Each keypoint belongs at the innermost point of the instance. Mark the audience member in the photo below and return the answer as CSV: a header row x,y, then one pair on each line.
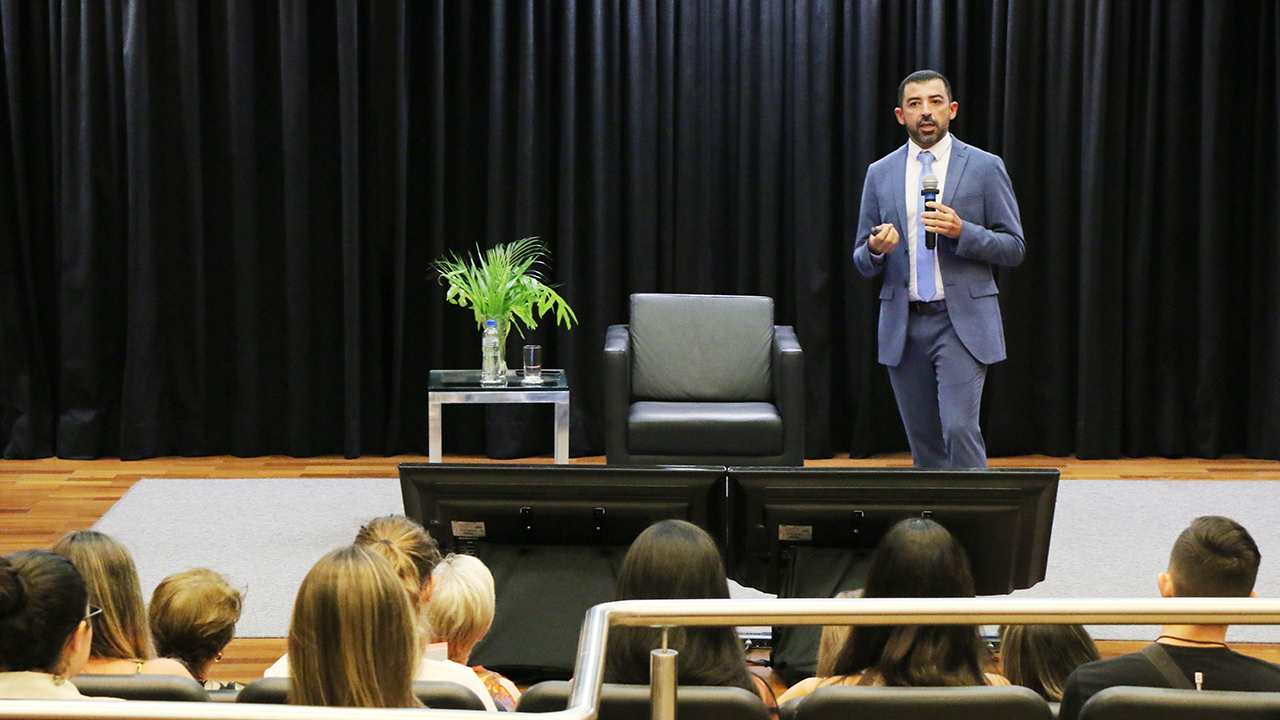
x,y
461,612
45,630
193,616
121,639
916,558
353,637
832,639
1041,657
674,559
413,554
1213,557
411,551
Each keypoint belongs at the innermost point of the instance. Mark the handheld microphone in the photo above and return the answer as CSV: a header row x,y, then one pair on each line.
x,y
929,189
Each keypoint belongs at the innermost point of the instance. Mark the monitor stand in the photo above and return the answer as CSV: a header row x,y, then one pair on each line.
x,y
543,594
813,573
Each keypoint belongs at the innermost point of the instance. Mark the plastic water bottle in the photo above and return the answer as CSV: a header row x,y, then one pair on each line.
x,y
490,357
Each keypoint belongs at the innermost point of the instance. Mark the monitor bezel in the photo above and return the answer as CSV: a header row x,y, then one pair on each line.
x,y
751,544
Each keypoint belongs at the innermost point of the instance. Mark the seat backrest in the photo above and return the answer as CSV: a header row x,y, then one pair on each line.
x,y
438,694
920,703
1141,703
632,702
711,348
265,691
141,687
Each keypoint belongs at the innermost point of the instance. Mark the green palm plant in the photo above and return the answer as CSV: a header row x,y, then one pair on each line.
x,y
504,283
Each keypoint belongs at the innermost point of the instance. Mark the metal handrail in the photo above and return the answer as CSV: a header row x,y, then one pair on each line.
x,y
584,699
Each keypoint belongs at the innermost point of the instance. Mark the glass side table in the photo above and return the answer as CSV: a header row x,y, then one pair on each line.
x,y
463,386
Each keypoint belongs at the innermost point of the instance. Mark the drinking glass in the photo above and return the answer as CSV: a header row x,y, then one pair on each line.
x,y
532,356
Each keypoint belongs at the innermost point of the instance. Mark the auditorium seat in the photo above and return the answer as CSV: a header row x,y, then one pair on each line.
x,y
1141,703
921,703
437,694
632,702
141,687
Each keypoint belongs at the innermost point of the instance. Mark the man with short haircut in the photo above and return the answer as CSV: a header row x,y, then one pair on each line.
x,y
1214,557
940,325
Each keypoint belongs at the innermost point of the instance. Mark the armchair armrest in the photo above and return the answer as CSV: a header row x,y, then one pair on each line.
x,y
617,391
788,391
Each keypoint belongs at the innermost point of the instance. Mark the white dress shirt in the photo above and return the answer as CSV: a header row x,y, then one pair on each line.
x,y
28,685
941,155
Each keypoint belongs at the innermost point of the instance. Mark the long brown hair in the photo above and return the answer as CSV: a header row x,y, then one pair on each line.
x,y
352,638
1041,657
917,558
121,630
674,560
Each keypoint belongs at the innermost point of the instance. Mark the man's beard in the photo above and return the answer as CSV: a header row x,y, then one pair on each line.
x,y
938,132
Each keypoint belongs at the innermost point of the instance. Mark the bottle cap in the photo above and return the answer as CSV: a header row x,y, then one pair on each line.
x,y
491,323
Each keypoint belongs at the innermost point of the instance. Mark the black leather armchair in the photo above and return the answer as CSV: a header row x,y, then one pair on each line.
x,y
632,702
921,703
703,380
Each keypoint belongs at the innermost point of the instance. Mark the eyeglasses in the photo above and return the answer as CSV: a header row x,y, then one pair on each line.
x,y
93,610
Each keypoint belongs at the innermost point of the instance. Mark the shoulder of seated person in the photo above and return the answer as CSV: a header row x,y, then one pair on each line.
x,y
994,679
164,666
124,666
808,685
109,666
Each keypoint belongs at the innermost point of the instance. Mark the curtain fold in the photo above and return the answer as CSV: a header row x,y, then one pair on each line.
x,y
217,220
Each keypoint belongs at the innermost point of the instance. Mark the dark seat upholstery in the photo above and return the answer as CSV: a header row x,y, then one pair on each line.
x,y
141,687
920,703
1141,703
437,694
703,380
631,702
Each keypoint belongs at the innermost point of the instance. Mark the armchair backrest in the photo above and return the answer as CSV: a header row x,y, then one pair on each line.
x,y
923,703
1142,703
712,348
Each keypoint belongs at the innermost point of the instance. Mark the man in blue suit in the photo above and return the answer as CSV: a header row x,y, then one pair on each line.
x,y
940,323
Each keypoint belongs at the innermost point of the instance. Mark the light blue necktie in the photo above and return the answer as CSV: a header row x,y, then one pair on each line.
x,y
924,256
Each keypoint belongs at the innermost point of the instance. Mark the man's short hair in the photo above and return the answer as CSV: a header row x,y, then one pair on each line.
x,y
1214,557
922,76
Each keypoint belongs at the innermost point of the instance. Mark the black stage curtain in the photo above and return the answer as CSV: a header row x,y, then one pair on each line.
x,y
217,218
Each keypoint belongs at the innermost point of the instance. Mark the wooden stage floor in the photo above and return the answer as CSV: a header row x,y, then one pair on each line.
x,y
42,499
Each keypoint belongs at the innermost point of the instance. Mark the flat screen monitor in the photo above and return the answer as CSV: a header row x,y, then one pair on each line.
x,y
461,504
1002,517
554,537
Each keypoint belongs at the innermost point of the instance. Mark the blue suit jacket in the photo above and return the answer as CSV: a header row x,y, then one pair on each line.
x,y
979,190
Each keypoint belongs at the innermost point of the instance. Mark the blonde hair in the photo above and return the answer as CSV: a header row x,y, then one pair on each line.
x,y
352,638
412,552
112,578
193,617
462,604
833,637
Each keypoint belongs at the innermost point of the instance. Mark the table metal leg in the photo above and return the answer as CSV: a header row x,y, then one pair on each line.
x,y
433,431
562,433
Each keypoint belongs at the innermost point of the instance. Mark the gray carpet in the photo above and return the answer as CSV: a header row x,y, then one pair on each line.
x,y
1110,537
263,534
